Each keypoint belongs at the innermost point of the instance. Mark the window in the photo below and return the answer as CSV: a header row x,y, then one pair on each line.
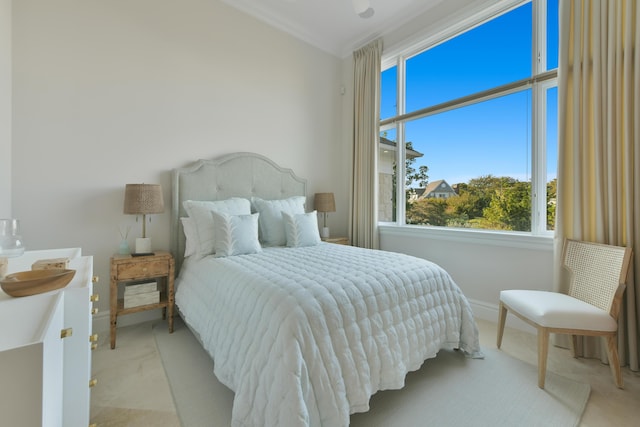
x,y
472,119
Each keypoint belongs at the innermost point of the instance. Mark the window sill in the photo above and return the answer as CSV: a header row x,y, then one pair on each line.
x,y
482,237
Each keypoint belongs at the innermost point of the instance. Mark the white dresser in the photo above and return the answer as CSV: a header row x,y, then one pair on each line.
x,y
45,348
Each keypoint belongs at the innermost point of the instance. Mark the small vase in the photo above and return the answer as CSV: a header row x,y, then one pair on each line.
x,y
123,249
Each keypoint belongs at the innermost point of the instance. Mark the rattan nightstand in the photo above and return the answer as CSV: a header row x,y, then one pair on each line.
x,y
337,240
127,269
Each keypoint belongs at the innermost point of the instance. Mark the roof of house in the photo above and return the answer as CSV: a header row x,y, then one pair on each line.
x,y
411,154
436,185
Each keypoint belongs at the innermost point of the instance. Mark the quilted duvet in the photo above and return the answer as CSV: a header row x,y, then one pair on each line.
x,y
305,336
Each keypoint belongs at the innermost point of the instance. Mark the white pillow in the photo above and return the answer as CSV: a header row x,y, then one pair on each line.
x,y
271,222
190,236
301,229
200,211
235,234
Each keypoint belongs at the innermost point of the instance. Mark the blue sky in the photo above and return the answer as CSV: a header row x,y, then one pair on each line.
x,y
491,137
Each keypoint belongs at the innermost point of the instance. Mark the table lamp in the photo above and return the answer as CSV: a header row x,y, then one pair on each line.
x,y
324,202
143,199
11,244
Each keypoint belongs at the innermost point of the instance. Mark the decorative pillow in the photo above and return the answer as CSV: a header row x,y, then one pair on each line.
x,y
200,211
270,222
301,229
190,236
235,234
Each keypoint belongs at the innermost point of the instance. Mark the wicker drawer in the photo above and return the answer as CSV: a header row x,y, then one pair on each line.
x,y
141,270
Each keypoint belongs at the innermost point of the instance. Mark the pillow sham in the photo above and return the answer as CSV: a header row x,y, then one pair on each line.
x,y
200,211
235,234
271,224
301,229
190,236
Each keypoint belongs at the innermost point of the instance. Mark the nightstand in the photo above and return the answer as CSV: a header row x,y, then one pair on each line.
x,y
127,269
337,240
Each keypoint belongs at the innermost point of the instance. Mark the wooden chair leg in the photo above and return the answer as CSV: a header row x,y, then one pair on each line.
x,y
614,361
543,347
502,317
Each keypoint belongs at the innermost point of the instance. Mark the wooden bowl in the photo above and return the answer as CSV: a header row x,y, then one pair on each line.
x,y
33,282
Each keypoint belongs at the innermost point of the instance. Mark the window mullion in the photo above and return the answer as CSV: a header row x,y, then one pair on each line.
x,y
401,154
538,120
538,155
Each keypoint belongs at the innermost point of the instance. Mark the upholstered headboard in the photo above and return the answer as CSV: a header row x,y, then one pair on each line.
x,y
233,175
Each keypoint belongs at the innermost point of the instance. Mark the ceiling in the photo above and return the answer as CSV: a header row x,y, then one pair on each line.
x,y
333,25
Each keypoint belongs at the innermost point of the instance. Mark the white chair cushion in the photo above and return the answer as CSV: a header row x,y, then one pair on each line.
x,y
556,310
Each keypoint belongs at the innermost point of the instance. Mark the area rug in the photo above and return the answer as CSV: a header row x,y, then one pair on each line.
x,y
450,390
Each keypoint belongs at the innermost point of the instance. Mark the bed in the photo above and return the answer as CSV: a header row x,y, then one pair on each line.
x,y
304,332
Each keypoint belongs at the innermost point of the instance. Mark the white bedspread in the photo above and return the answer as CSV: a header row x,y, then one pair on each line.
x,y
305,336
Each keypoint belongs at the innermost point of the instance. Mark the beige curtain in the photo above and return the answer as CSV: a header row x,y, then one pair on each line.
x,y
599,142
363,225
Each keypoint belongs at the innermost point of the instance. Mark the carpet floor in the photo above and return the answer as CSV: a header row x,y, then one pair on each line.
x,y
450,390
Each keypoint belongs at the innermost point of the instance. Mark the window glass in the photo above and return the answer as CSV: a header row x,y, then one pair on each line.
x,y
387,173
484,57
552,34
389,93
552,155
469,163
472,167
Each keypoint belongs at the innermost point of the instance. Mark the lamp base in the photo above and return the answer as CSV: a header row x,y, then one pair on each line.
x,y
143,245
324,232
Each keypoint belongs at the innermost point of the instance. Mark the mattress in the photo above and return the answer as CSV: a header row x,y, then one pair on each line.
x,y
305,336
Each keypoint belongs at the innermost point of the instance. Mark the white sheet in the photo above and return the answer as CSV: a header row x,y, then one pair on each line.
x,y
304,336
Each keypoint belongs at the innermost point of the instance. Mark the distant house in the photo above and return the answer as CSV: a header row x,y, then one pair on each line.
x,y
439,189
415,193
386,162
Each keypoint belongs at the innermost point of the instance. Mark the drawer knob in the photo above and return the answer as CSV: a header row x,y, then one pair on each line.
x,y
93,382
93,338
64,333
95,279
94,346
94,310
95,297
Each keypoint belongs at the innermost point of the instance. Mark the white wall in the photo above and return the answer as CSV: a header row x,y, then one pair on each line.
x,y
122,91
5,108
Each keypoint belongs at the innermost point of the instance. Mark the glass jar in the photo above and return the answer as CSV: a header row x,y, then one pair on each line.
x,y
10,239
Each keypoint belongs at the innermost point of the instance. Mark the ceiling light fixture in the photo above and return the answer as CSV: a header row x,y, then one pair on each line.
x,y
363,8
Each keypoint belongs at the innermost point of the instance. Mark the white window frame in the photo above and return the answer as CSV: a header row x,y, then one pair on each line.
x,y
539,85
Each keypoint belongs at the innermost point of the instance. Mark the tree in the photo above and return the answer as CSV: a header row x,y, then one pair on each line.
x,y
475,196
430,211
552,191
510,207
411,175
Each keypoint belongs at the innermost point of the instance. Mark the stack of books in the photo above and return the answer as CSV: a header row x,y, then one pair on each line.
x,y
141,294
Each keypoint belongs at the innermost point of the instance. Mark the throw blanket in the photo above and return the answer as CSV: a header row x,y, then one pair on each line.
x,y
305,336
